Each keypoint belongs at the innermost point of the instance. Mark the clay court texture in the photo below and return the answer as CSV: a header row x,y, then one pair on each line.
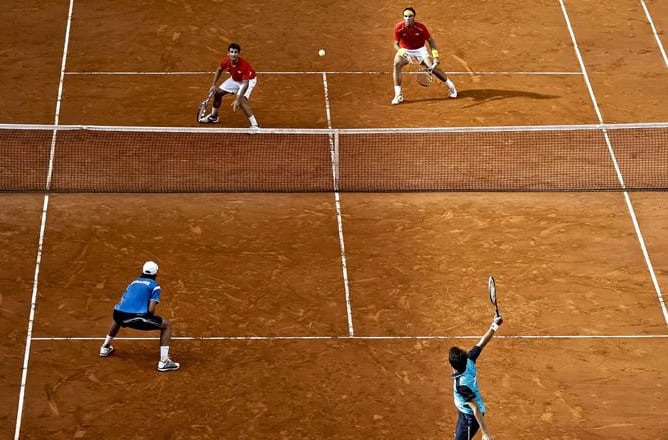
x,y
317,273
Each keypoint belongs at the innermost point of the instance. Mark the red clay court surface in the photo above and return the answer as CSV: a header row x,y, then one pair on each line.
x,y
278,339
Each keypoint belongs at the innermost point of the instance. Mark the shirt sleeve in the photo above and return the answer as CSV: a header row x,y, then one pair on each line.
x,y
155,295
396,33
474,353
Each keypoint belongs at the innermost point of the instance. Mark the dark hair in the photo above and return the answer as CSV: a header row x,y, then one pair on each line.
x,y
458,358
410,8
234,46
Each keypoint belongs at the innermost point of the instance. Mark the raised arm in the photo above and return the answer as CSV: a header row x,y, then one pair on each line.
x,y
490,333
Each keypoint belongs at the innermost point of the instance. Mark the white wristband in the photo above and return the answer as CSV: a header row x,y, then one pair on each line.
x,y
494,326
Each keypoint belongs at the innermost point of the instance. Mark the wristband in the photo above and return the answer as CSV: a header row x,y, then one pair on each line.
x,y
494,326
401,51
434,53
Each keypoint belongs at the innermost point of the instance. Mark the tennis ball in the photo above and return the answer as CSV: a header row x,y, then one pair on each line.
x,y
321,52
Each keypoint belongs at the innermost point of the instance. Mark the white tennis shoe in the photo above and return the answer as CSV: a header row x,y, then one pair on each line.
x,y
168,365
210,119
106,351
398,99
453,91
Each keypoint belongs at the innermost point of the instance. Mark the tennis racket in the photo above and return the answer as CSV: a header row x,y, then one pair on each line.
x,y
423,75
491,288
201,110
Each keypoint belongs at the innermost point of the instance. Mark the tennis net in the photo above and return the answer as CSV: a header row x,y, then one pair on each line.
x,y
69,158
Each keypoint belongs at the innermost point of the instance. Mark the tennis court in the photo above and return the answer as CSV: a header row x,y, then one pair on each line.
x,y
318,272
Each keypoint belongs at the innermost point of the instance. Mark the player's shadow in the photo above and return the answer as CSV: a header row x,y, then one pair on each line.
x,y
483,96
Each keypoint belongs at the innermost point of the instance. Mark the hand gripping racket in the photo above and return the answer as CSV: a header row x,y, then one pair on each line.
x,y
491,287
201,110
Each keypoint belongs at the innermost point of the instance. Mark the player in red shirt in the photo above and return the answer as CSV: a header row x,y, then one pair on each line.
x,y
410,37
241,83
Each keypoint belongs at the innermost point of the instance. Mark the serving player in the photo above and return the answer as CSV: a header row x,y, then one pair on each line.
x,y
410,38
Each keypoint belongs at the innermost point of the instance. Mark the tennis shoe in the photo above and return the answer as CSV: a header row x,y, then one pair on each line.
x,y
254,129
453,91
210,119
106,351
398,99
168,365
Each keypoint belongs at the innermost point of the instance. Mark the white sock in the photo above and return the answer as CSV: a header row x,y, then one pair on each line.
x,y
164,352
253,121
450,83
397,90
107,341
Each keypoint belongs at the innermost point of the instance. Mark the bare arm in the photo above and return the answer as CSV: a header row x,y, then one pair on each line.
x,y
480,417
434,50
151,307
240,95
490,333
216,77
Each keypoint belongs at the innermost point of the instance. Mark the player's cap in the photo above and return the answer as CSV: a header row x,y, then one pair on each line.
x,y
150,268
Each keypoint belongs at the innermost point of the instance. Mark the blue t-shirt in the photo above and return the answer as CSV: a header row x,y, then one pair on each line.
x,y
465,385
138,294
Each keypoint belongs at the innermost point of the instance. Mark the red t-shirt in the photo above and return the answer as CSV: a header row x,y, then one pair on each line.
x,y
242,71
412,37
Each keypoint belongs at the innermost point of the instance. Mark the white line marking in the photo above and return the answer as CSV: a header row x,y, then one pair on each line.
x,y
627,198
334,338
42,229
320,73
656,34
334,155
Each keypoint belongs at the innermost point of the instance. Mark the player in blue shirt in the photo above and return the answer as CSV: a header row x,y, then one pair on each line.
x,y
137,310
468,399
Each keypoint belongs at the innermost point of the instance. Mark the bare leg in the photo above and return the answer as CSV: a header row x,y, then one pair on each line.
x,y
113,331
399,63
165,333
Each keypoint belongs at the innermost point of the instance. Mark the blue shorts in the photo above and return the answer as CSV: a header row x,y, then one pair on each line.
x,y
137,321
467,426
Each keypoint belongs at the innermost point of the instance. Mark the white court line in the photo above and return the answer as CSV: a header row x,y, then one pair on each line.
x,y
611,151
328,73
42,229
351,337
656,34
334,155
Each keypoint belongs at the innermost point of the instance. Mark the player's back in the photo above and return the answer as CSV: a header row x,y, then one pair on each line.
x,y
137,296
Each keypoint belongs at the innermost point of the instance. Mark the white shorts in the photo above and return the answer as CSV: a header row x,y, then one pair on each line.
x,y
419,54
232,86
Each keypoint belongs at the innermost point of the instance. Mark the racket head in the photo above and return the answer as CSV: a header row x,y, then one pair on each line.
x,y
422,74
204,106
424,78
491,288
201,110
